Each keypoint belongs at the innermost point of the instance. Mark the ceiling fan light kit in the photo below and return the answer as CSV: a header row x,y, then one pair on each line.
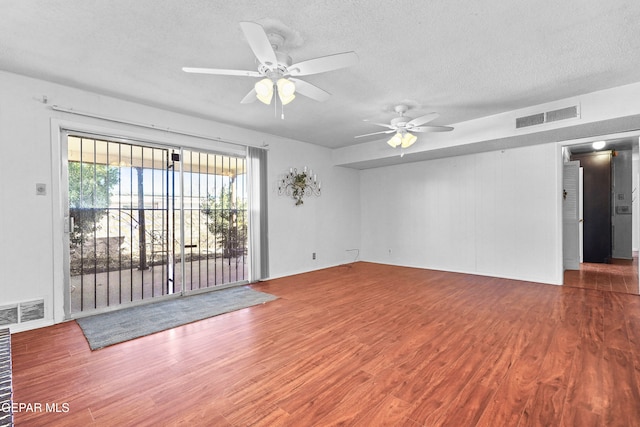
x,y
408,139
265,88
264,91
286,90
402,139
395,140
404,127
275,67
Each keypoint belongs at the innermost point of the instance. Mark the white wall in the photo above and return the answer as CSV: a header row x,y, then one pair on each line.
x,y
491,213
327,225
31,226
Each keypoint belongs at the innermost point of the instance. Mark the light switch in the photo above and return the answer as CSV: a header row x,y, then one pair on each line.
x,y
41,189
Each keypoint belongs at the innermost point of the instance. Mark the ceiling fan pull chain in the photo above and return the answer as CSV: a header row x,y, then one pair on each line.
x,y
276,95
275,102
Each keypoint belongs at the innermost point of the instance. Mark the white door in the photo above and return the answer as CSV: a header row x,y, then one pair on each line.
x,y
571,216
581,213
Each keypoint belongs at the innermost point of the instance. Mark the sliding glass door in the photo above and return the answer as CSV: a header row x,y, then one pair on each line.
x,y
147,221
215,222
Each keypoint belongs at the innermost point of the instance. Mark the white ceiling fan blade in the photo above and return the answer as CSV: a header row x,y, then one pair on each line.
x,y
418,121
310,91
222,72
323,64
376,133
259,43
430,129
250,97
387,125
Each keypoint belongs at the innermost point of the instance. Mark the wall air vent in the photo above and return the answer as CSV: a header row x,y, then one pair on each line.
x,y
561,114
523,122
548,117
8,314
21,312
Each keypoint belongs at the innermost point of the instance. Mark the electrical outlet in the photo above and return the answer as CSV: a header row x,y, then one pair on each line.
x,y
313,255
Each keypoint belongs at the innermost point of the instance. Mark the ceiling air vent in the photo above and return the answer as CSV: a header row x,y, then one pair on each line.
x,y
550,116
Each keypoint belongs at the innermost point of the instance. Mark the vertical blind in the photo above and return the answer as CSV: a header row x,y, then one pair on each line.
x,y
258,219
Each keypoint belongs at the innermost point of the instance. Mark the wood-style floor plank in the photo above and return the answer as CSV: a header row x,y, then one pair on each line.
x,y
620,275
548,400
363,345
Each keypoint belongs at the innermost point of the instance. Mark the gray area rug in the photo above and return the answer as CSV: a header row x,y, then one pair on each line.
x,y
118,326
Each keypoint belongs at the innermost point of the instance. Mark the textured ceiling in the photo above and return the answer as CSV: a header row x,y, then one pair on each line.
x,y
462,58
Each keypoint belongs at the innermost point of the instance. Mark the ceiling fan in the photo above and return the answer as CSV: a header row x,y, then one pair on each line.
x,y
276,70
403,126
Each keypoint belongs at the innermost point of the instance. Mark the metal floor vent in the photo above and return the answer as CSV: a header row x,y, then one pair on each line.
x,y
548,117
21,312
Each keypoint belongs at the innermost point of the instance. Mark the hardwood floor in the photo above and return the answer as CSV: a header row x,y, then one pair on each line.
x,y
361,345
619,276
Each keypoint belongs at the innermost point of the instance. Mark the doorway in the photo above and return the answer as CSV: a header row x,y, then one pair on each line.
x,y
145,221
596,196
609,219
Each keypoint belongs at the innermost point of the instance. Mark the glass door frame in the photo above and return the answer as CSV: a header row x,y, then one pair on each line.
x,y
67,225
177,205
